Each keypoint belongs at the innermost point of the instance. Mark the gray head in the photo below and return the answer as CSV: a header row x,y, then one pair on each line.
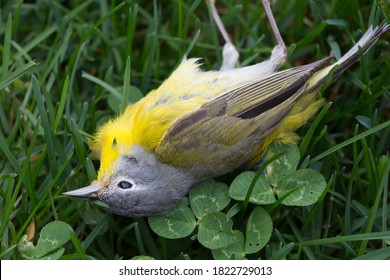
x,y
139,186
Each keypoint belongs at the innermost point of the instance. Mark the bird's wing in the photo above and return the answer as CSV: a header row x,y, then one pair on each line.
x,y
255,98
225,127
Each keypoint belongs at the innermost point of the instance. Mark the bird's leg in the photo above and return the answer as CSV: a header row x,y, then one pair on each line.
x,y
279,52
229,53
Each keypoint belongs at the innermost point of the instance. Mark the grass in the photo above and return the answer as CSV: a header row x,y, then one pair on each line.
x,y
66,67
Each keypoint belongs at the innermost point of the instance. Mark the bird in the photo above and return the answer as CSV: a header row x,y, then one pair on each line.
x,y
202,124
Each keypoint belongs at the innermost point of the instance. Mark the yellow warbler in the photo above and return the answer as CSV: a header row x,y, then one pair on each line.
x,y
202,124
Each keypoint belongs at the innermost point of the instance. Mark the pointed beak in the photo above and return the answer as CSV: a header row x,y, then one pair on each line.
x,y
90,192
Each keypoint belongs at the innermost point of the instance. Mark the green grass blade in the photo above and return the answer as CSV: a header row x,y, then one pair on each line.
x,y
45,124
297,233
131,26
309,134
16,75
72,78
126,85
103,84
144,238
380,254
8,153
94,233
385,169
103,19
313,34
21,51
350,141
151,51
348,238
57,57
282,252
61,105
77,244
193,42
78,142
7,47
7,251
37,40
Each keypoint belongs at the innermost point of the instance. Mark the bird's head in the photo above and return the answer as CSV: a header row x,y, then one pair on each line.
x,y
138,185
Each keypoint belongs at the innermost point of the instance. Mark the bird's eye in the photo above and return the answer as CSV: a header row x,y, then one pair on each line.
x,y
131,159
124,185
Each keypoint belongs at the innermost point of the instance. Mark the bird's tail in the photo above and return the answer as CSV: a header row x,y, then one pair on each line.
x,y
365,43
307,105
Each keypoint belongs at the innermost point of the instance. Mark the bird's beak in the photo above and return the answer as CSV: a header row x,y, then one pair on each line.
x,y
90,192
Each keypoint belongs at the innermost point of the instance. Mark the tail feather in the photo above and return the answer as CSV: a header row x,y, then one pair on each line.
x,y
365,43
